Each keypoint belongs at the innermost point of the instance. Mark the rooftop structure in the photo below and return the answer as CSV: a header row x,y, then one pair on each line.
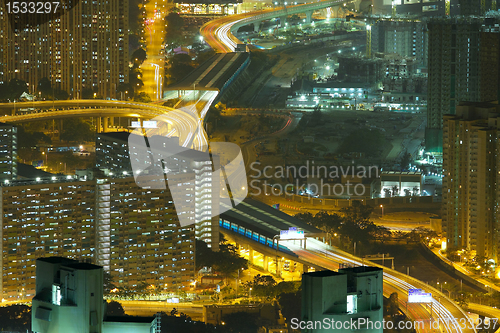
x,y
343,296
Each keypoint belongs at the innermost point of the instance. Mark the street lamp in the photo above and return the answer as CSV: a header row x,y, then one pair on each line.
x,y
382,206
46,164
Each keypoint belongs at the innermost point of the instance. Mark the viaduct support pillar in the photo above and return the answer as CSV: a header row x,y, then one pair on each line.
x,y
266,263
98,124
283,21
309,17
250,256
105,124
256,26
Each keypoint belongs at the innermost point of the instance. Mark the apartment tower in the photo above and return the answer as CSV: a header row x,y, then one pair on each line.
x,y
85,47
471,166
463,67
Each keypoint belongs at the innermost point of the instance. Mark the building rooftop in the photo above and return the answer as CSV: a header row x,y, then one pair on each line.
x,y
129,319
171,145
58,260
29,171
264,219
71,263
213,73
322,274
83,266
360,269
118,136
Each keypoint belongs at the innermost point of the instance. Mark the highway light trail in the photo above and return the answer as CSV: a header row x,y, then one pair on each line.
x,y
324,256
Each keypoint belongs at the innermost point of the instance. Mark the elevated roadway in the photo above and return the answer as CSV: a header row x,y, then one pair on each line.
x,y
184,121
219,33
260,226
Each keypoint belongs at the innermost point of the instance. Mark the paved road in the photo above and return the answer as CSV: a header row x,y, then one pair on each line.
x,y
152,68
464,270
149,308
442,307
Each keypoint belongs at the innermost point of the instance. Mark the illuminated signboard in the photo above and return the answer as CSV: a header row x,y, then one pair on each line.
x,y
419,296
145,124
149,124
292,233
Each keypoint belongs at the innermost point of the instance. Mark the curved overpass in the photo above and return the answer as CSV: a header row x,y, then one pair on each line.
x,y
219,33
184,122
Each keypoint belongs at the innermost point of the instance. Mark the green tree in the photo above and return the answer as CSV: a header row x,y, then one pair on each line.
x,y
173,25
463,300
392,309
405,160
226,261
15,318
88,93
290,304
179,65
135,78
262,286
139,56
142,97
77,130
15,88
114,309
127,89
44,86
306,217
60,94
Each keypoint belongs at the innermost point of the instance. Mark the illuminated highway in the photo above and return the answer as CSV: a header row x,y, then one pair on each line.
x,y
219,33
184,122
442,307
464,270
493,313
154,30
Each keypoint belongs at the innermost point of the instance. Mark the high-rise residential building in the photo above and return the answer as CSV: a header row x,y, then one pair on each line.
x,y
343,296
405,37
471,183
463,66
476,7
86,47
139,238
8,151
39,218
134,233
194,169
410,7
